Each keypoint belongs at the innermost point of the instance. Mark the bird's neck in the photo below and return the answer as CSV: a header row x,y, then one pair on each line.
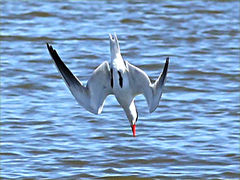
x,y
131,112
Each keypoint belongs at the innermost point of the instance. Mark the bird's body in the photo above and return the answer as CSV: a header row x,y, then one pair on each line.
x,y
123,92
119,74
119,78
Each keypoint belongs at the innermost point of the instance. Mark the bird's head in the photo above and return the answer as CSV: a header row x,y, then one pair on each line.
x,y
132,116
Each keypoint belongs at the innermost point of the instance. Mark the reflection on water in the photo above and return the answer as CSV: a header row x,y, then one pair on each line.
x,y
194,133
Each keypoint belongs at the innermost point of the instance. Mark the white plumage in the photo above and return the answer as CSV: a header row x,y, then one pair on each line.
x,y
119,78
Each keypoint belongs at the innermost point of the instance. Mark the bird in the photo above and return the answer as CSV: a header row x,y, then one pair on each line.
x,y
119,78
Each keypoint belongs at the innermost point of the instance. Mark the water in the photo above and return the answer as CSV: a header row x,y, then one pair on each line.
x,y
194,133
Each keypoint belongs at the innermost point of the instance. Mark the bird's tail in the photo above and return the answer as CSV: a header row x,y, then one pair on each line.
x,y
114,45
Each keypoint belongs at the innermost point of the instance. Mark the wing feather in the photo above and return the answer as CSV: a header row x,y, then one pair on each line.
x,y
141,84
92,96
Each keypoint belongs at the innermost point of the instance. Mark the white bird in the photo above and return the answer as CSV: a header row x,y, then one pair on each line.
x,y
119,78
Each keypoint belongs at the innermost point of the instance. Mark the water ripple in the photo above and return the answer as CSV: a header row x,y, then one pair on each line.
x,y
193,134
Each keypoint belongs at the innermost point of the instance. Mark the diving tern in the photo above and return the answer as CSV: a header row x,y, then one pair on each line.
x,y
119,78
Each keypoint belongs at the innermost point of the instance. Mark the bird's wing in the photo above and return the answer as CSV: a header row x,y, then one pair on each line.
x,y
92,96
141,84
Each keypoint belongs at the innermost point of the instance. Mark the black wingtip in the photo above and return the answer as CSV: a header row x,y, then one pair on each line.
x,y
166,66
167,59
49,47
52,51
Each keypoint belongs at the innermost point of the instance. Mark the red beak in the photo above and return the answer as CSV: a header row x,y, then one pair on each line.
x,y
134,130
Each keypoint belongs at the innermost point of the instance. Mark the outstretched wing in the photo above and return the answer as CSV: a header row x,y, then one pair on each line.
x,y
92,96
141,84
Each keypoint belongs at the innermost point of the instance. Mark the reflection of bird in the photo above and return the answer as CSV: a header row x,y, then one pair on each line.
x,y
120,78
